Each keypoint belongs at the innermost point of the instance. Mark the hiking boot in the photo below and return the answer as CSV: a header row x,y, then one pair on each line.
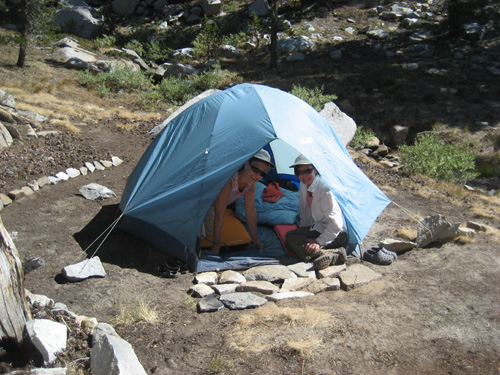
x,y
342,256
323,261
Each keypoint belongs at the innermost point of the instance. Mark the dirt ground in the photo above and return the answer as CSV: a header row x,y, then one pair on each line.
x,y
435,311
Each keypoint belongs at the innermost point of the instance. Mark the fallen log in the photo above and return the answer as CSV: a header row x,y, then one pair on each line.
x,y
14,309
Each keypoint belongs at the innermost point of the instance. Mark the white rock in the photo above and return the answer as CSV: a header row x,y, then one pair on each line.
x,y
112,355
288,295
73,172
88,268
48,337
207,278
62,176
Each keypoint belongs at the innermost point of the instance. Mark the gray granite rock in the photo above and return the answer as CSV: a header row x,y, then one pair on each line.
x,y
48,337
95,191
207,278
241,301
272,273
85,269
288,295
260,286
303,269
231,277
209,304
358,275
397,245
221,289
292,285
200,290
113,355
331,271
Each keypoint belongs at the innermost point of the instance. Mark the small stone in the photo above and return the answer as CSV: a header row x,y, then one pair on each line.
x,y
207,278
62,176
84,171
33,185
90,167
221,289
5,199
16,194
116,161
292,285
260,286
288,295
358,275
43,181
231,277
209,304
27,191
106,163
73,172
98,166
200,290
54,180
241,301
331,271
87,268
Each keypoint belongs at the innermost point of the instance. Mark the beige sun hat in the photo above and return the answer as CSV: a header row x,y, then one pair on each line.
x,y
300,160
265,157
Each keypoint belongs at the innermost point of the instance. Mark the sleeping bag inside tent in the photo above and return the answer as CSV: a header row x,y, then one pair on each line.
x,y
169,193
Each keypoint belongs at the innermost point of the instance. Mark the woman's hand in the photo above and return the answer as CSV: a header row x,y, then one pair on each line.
x,y
311,246
257,245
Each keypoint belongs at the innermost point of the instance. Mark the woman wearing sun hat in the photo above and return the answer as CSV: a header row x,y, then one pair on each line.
x,y
322,224
242,184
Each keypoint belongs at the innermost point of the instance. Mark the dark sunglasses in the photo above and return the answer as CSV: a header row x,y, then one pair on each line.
x,y
258,171
304,171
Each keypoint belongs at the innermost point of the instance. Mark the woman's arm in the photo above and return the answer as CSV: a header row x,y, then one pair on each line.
x,y
220,206
251,215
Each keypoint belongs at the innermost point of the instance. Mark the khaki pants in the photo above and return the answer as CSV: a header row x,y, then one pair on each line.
x,y
295,241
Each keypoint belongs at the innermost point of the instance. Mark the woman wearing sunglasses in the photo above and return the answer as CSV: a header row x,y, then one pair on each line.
x,y
242,184
322,224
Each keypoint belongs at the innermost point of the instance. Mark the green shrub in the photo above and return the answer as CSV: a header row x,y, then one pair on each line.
x,y
125,78
314,97
214,78
208,42
433,157
176,90
107,41
361,138
236,40
135,46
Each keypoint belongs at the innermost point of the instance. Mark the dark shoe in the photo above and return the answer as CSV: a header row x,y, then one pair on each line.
x,y
391,253
377,256
323,261
342,256
167,271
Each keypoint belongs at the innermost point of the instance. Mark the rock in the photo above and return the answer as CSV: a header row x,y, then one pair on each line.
x,y
113,355
87,268
211,7
106,163
43,181
292,285
474,31
84,171
209,304
183,53
136,58
90,167
158,128
32,264
125,7
78,18
300,43
75,56
478,226
5,137
241,301
48,337
296,57
397,246
7,100
33,185
331,271
176,69
116,161
466,232
410,66
260,7
200,290
260,286
323,285
16,194
343,125
73,172
54,180
231,277
38,300
207,278
221,289
5,199
100,330
94,191
303,269
357,275
273,273
62,176
288,295
27,191
6,117
419,50
435,228
399,133
377,34
98,166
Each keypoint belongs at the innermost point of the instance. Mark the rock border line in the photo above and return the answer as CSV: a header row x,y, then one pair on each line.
x,y
35,185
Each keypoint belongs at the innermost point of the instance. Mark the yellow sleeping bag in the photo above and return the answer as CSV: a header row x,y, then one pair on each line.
x,y
233,232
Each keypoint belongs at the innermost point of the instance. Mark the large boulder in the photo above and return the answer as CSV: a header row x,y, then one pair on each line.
x,y
344,126
78,18
125,7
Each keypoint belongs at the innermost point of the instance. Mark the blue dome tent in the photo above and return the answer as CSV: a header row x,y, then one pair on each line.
x,y
181,173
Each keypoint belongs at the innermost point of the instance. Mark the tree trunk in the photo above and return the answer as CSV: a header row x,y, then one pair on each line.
x,y
21,59
274,33
14,310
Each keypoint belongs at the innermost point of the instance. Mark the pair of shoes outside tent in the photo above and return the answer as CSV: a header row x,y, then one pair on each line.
x,y
380,256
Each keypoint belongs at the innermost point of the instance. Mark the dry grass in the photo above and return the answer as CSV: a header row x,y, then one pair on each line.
x,y
298,330
139,311
407,233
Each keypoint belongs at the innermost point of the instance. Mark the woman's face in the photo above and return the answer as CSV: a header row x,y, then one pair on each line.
x,y
256,170
306,174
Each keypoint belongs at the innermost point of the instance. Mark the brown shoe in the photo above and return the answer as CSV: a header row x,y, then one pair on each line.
x,y
323,261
